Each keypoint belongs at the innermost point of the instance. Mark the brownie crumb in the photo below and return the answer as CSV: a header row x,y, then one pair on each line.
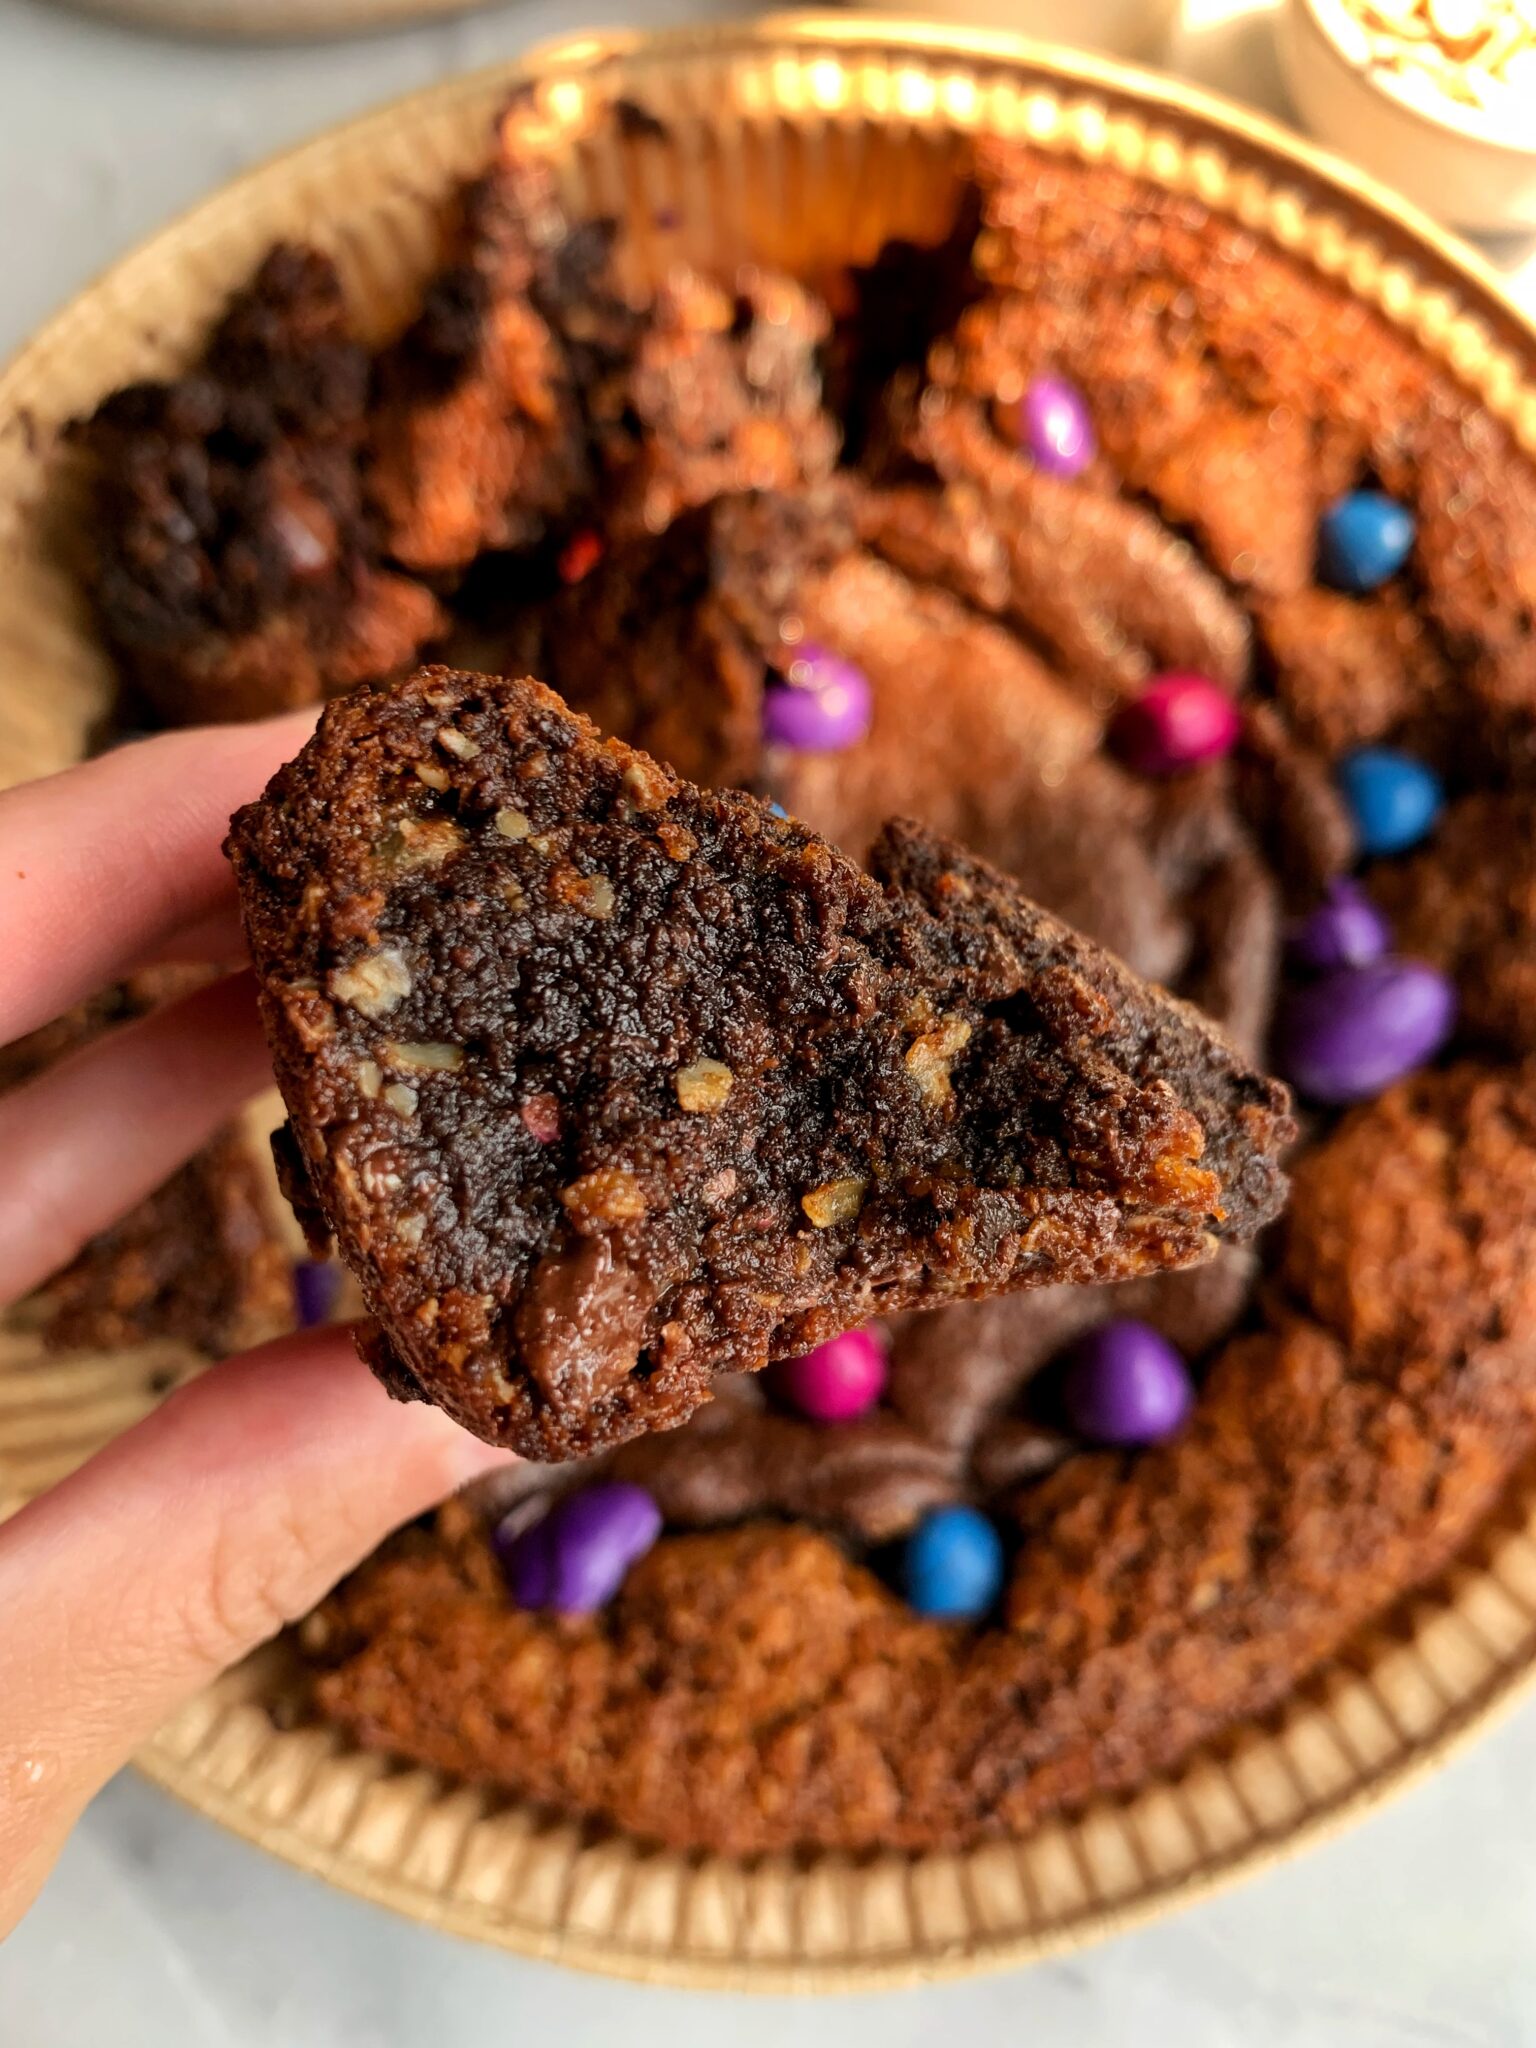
x,y
199,1260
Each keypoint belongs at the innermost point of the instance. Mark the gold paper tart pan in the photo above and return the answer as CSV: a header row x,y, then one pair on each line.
x,y
798,142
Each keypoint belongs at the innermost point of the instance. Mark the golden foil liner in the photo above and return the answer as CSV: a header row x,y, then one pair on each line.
x,y
803,142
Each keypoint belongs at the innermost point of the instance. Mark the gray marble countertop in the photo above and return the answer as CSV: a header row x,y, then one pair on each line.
x,y
1417,1928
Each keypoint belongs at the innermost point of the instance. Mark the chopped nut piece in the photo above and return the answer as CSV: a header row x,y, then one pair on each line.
x,y
608,1196
592,894
420,842
835,1201
424,1054
703,1086
513,894
929,1057
373,984
452,741
513,824
677,840
401,1099
433,776
410,1229
647,784
368,1077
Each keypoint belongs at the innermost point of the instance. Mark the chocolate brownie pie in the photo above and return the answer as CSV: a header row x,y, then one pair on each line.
x,y
199,1260
1182,589
236,567
607,1084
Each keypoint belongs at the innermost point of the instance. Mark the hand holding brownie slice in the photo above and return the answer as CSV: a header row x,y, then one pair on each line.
x,y
604,1084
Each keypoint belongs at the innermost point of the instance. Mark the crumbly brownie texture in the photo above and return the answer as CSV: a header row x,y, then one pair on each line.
x,y
285,521
665,643
1468,903
477,437
198,1261
722,393
754,1689
235,569
606,1084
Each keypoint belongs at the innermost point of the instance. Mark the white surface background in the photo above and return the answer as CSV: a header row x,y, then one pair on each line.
x,y
1419,1928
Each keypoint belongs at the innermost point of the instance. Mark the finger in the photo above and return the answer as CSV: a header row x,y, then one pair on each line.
x,y
100,865
217,939
231,1510
87,1138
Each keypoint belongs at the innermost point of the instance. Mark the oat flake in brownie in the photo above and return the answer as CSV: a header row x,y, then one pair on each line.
x,y
606,1084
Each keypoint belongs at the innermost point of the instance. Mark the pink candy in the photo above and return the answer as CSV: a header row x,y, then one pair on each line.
x,y
837,1380
1176,722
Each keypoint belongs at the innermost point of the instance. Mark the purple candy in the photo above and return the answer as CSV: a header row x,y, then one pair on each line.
x,y
1352,1033
316,1286
1176,722
1345,930
835,1381
1056,429
1125,1384
528,1560
574,1560
825,704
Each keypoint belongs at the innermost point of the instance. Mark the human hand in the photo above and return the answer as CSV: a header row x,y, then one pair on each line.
x,y
252,1490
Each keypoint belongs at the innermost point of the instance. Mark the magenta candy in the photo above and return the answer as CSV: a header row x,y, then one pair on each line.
x,y
824,704
574,1560
837,1380
1176,722
1056,428
1349,1035
1345,930
1125,1384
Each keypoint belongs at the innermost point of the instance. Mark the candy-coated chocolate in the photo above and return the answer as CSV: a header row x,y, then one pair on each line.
x,y
1055,426
1393,798
1125,1384
574,1559
835,1381
824,704
1176,722
1345,930
953,1564
316,1289
1349,1035
1363,539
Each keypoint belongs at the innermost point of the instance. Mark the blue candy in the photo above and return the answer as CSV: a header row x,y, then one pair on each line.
x,y
1363,538
1393,798
953,1566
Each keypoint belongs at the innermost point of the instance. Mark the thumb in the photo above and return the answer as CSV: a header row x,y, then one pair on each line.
x,y
231,1510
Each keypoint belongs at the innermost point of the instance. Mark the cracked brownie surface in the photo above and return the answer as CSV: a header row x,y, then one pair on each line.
x,y
607,1084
